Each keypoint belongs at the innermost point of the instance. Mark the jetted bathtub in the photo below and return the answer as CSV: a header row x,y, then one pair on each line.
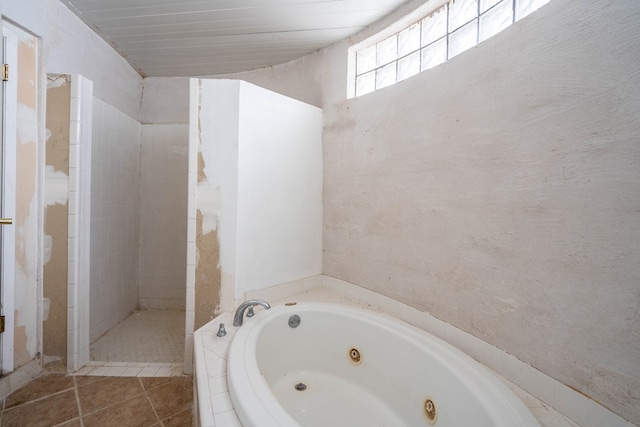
x,y
328,365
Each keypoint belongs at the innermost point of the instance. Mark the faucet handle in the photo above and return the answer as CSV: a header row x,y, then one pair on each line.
x,y
250,312
221,330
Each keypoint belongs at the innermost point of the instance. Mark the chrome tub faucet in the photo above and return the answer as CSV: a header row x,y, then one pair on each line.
x,y
238,318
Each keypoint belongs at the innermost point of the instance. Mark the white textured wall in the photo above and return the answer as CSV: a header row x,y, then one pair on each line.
x,y
262,183
163,216
115,203
165,100
70,47
500,191
279,228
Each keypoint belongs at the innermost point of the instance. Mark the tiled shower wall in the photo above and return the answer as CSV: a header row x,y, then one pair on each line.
x,y
115,216
163,217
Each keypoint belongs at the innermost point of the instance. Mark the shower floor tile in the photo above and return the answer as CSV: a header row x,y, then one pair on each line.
x,y
148,337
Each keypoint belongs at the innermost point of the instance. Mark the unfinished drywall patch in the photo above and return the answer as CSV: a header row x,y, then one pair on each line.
x,y
208,274
208,277
56,224
27,317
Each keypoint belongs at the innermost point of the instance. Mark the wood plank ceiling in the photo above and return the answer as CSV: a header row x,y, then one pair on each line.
x,y
176,38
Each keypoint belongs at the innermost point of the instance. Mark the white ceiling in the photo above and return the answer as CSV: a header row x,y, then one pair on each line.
x,y
207,37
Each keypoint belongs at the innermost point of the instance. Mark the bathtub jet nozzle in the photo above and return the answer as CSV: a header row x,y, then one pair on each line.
x,y
238,318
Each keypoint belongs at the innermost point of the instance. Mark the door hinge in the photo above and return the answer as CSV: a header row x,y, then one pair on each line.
x,y
1,324
5,72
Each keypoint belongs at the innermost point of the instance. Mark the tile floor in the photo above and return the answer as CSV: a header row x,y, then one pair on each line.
x,y
87,401
134,379
147,335
148,343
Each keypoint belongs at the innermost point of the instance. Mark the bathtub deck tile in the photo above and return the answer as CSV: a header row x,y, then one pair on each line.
x,y
218,346
550,418
216,366
227,419
221,402
205,412
218,384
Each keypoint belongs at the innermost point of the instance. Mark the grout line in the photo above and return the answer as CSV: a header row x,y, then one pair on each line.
x,y
153,408
38,399
75,389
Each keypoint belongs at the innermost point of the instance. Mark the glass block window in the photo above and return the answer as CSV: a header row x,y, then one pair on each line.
x,y
451,29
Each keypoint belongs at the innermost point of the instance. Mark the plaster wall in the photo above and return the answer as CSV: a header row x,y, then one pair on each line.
x,y
115,189
165,100
279,217
163,216
499,191
70,47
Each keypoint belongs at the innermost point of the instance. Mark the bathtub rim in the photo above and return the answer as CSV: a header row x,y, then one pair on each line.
x,y
265,406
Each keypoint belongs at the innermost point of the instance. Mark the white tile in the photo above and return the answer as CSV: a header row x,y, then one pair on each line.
x,y
74,156
188,354
72,318
191,230
550,418
72,252
227,419
73,231
115,371
99,371
76,86
189,318
218,384
131,371
527,398
600,416
116,364
164,371
74,184
191,254
74,140
72,344
205,411
137,364
215,365
72,295
74,110
149,371
191,281
84,370
72,279
177,372
219,347
221,402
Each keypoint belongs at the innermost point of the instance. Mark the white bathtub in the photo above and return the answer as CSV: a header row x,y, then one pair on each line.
x,y
359,369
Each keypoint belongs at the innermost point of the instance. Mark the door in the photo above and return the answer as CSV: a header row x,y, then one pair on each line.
x,y
8,95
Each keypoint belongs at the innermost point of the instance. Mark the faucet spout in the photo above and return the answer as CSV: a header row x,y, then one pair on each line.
x,y
238,318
